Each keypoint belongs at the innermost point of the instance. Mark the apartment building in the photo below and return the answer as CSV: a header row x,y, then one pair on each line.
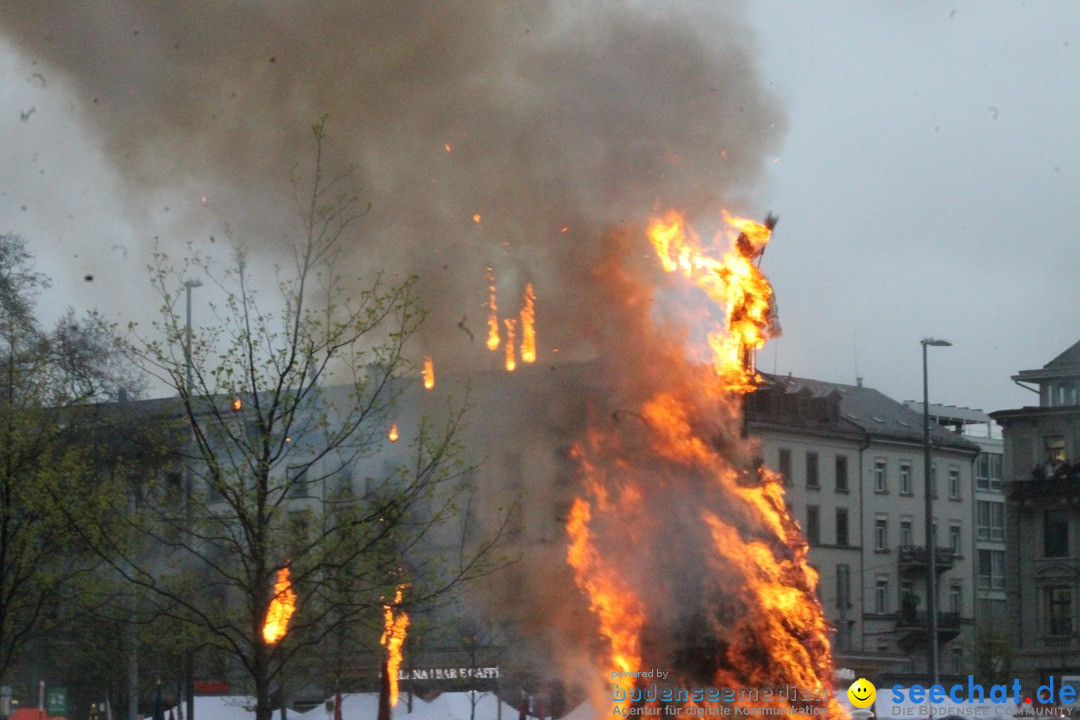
x,y
853,462
1042,521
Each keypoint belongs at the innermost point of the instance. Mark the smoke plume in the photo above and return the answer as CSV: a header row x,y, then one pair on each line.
x,y
534,138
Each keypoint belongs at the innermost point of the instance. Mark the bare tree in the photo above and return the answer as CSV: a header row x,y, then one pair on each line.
x,y
288,401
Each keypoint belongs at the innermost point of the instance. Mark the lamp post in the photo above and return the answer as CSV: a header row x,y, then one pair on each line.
x,y
931,543
189,658
468,640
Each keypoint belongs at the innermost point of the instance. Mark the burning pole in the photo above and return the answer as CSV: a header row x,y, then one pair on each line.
x,y
528,326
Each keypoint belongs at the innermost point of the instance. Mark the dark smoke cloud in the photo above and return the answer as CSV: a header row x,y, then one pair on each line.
x,y
584,116
575,115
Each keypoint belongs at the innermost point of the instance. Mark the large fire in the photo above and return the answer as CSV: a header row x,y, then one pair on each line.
x,y
282,607
683,546
395,625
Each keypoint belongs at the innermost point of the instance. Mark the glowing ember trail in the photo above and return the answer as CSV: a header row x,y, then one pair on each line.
x,y
493,313
511,363
282,606
528,326
429,373
679,538
393,637
392,436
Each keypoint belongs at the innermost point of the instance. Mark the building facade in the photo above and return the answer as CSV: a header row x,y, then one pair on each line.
x,y
1042,521
853,462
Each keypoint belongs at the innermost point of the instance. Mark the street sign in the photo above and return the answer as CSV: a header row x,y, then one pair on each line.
x,y
56,701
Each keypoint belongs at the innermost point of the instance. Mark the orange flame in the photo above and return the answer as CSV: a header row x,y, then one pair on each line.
x,y
511,363
493,313
429,373
282,606
738,579
528,326
393,434
733,282
393,637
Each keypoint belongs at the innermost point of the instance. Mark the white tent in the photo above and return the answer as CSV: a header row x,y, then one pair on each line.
x,y
223,707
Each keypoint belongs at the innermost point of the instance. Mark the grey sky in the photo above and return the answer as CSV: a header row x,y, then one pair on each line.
x,y
922,157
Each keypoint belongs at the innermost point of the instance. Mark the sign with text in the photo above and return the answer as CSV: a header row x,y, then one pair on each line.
x,y
453,673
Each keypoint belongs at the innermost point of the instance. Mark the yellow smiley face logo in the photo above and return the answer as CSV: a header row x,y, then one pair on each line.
x,y
862,693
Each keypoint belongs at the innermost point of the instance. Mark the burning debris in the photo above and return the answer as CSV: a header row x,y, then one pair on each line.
x,y
429,373
493,313
528,326
282,607
395,624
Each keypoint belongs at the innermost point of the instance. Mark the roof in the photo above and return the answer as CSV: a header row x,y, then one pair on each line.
x,y
1066,365
871,412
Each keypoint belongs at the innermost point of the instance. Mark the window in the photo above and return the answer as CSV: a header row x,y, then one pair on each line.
x,y
1055,533
956,598
880,481
881,534
1058,611
991,569
843,586
905,478
813,524
841,473
841,526
881,596
988,471
813,480
298,482
954,484
955,539
990,520
1055,448
785,464
905,533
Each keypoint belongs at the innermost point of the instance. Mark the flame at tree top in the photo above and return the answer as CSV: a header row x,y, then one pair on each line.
x,y
684,548
395,625
282,607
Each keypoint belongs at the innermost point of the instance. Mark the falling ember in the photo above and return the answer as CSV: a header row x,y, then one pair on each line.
x,y
511,363
393,637
429,373
282,606
683,546
476,218
237,405
528,327
493,313
447,147
392,436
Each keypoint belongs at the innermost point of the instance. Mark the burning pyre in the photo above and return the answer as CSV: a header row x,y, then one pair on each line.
x,y
687,554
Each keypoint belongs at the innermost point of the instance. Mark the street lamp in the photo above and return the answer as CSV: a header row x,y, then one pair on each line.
x,y
931,545
188,285
189,659
468,641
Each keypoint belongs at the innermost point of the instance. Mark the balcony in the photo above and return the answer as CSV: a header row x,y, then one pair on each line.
x,y
913,559
913,628
1067,488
